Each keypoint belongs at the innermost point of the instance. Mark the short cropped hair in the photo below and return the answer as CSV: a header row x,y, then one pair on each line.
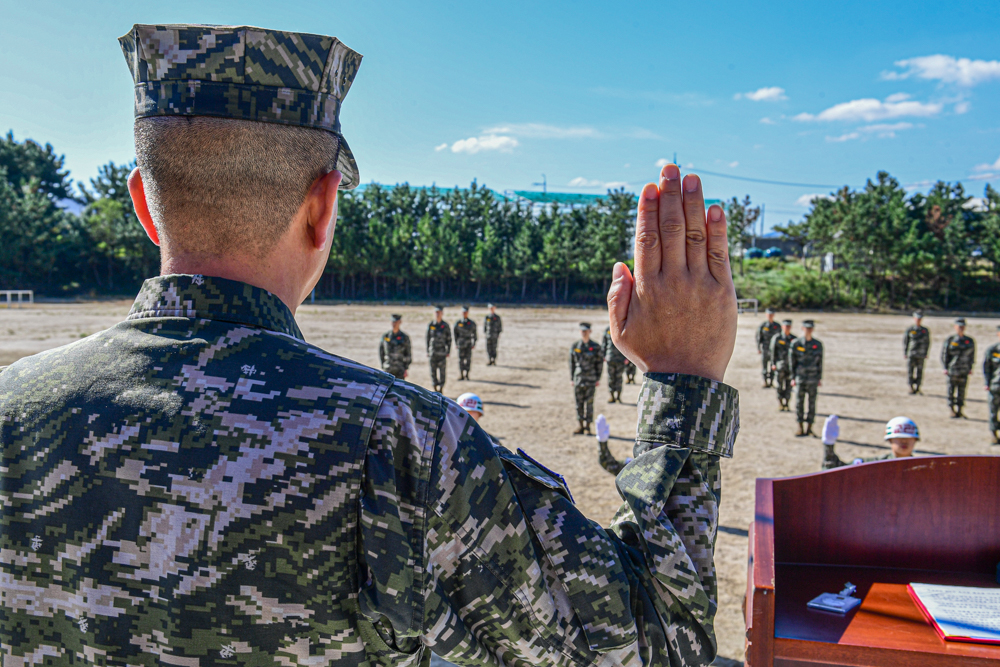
x,y
221,186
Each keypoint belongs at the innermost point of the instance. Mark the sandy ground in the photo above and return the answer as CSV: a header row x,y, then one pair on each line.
x,y
529,400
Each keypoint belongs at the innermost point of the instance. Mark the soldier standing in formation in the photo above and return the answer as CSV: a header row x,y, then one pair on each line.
x,y
465,341
585,365
438,348
958,356
916,344
780,347
629,371
394,350
616,366
492,326
991,375
767,330
805,361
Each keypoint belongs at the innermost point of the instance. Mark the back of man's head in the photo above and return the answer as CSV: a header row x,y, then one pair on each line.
x,y
218,186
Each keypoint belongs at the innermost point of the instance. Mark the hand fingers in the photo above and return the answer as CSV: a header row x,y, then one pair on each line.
x,y
694,214
718,246
619,297
672,227
647,234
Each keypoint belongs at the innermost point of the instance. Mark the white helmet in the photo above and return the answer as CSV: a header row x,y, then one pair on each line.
x,y
471,402
901,427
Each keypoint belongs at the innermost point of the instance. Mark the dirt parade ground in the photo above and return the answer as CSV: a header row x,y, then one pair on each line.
x,y
529,398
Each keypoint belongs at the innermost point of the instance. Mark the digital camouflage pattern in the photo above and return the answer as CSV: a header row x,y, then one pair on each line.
x,y
438,339
916,342
608,460
831,460
244,73
765,332
615,361
805,360
778,353
958,354
492,326
465,340
991,377
394,353
199,486
586,361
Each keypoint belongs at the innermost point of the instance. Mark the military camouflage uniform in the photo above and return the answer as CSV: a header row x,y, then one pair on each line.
x,y
199,486
616,366
805,361
831,460
492,326
465,340
629,371
586,362
394,353
608,460
916,344
958,356
991,375
438,349
765,333
780,346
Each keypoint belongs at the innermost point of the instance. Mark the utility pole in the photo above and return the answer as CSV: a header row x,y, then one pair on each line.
x,y
544,185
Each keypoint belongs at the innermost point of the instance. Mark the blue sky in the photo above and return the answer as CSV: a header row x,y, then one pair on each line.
x,y
587,93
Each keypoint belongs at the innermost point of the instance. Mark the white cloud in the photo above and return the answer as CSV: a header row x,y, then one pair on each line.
x,y
898,97
767,121
946,69
880,130
543,131
771,94
734,164
663,162
989,176
581,182
807,200
962,107
845,137
870,110
441,147
988,167
487,142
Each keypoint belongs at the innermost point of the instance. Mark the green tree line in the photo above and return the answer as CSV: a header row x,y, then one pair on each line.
x,y
891,249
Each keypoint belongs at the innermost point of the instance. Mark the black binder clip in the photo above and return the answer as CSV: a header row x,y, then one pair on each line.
x,y
838,603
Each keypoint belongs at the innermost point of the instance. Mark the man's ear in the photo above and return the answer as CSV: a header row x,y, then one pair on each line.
x,y
138,192
321,208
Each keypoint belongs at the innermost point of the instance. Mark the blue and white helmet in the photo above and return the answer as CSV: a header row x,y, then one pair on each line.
x,y
471,402
901,427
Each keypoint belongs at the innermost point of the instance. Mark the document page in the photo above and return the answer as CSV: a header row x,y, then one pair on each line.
x,y
960,612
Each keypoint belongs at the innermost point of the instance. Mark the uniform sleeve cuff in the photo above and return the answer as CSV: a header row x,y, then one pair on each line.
x,y
687,411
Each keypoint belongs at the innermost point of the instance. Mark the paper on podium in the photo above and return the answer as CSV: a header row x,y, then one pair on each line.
x,y
960,613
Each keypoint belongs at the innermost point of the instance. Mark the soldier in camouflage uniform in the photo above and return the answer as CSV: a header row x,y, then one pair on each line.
x,y
780,365
916,344
767,330
991,375
805,363
586,361
605,458
198,485
465,341
394,350
958,355
616,366
629,372
492,326
438,348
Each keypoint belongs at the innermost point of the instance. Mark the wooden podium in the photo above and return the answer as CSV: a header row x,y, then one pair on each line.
x,y
879,526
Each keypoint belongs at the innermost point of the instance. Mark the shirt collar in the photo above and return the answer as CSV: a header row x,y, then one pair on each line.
x,y
208,298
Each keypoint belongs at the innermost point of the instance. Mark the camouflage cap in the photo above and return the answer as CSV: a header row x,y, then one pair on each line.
x,y
465,309
960,321
585,326
245,73
770,311
438,309
396,317
918,313
787,323
808,324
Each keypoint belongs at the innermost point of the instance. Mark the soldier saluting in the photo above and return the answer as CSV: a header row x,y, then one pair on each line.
x,y
916,344
492,326
394,350
465,341
438,348
958,355
780,346
586,361
805,361
767,330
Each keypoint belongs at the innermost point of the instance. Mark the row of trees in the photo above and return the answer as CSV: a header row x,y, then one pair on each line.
x,y
890,248
893,249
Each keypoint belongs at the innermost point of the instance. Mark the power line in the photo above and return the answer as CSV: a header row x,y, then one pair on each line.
x,y
763,180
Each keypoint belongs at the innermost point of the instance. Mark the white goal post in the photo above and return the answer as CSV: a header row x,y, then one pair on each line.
x,y
744,305
7,296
